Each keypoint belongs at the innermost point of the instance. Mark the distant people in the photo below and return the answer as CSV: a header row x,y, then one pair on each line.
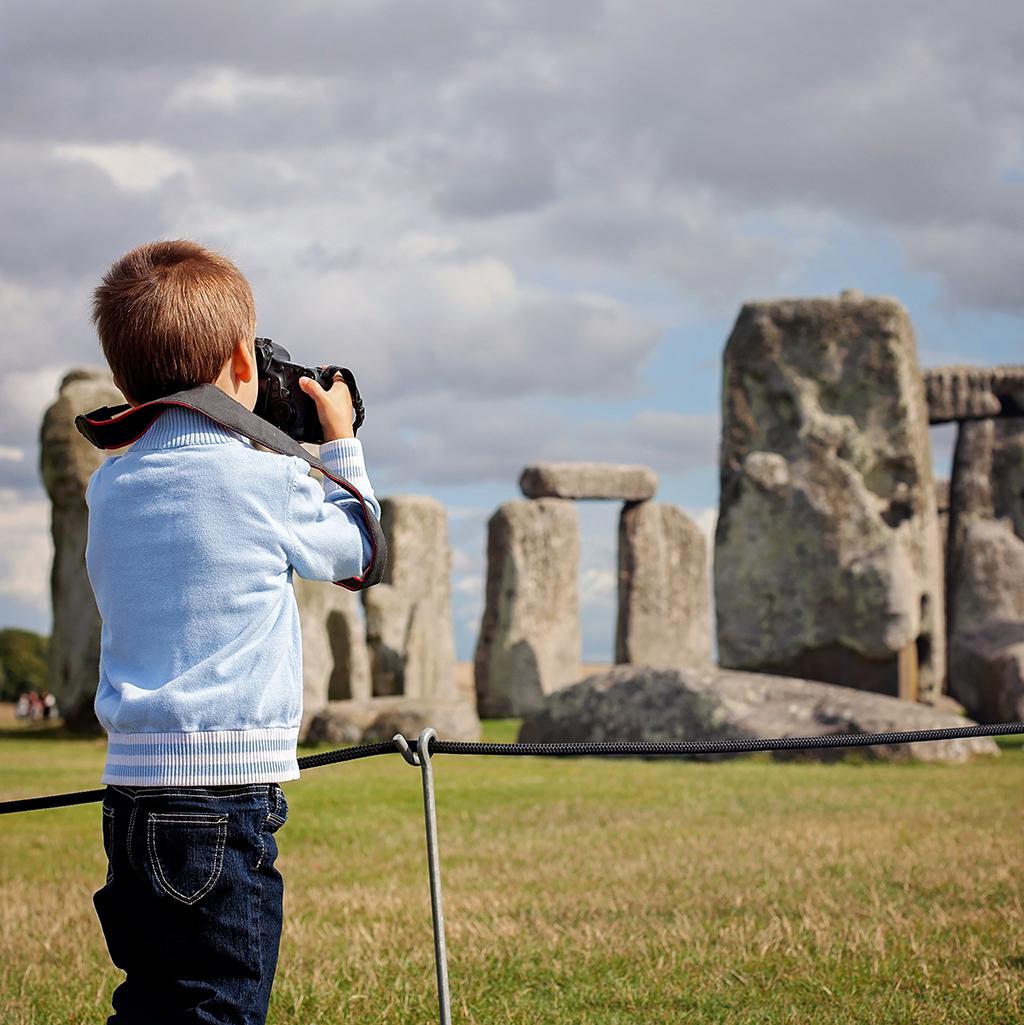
x,y
35,705
23,709
49,705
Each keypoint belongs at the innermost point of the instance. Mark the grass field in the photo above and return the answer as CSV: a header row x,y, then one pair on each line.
x,y
588,890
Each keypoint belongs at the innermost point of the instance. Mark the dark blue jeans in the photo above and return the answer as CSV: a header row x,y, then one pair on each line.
x,y
192,907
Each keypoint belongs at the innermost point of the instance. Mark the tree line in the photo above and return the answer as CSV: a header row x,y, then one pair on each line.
x,y
23,662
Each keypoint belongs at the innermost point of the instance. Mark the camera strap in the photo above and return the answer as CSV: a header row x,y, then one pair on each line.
x,y
116,426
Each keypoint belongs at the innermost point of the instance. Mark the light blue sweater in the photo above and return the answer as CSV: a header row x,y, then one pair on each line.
x,y
193,537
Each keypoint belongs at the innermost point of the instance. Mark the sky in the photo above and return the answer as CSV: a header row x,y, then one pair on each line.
x,y
527,228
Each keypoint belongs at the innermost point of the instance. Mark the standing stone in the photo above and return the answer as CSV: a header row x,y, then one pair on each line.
x,y
1008,473
827,549
970,506
663,616
985,589
409,624
335,659
942,509
986,671
67,461
529,643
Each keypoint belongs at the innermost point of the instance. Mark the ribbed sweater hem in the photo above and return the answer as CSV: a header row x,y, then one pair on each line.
x,y
202,758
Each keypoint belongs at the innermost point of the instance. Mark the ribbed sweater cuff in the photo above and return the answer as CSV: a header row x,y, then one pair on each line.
x,y
344,456
208,757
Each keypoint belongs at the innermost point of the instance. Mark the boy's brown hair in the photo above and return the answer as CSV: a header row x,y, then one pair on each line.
x,y
168,314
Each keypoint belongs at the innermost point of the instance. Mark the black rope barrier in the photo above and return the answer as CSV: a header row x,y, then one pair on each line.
x,y
579,748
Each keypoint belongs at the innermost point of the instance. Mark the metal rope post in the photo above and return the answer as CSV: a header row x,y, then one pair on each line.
x,y
422,758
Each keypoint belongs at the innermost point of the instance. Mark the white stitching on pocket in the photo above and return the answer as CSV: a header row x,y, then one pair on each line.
x,y
187,818
273,816
108,814
131,831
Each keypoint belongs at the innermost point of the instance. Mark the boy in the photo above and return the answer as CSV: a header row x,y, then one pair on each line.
x,y
193,537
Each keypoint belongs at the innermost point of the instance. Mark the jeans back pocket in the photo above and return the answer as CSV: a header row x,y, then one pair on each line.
x,y
186,851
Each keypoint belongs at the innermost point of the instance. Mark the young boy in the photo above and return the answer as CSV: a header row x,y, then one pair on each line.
x,y
193,538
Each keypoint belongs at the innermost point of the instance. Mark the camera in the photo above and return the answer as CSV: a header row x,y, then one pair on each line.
x,y
283,403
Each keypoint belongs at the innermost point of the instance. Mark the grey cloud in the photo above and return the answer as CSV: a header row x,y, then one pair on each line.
x,y
420,442
63,218
503,110
983,261
22,475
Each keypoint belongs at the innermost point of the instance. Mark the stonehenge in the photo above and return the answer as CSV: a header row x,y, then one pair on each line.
x,y
827,549
529,641
838,557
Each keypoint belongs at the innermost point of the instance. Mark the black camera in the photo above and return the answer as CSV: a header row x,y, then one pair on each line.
x,y
283,403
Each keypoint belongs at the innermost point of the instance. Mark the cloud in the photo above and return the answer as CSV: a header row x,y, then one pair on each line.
x,y
134,167
496,214
25,526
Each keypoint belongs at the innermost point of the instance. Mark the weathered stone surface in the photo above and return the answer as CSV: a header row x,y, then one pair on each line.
x,y
663,589
335,659
1008,473
409,614
942,508
529,642
988,574
987,668
450,720
353,722
987,671
970,499
987,610
589,480
67,461
827,549
644,703
985,567
971,393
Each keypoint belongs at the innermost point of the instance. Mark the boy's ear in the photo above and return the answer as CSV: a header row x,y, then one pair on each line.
x,y
244,359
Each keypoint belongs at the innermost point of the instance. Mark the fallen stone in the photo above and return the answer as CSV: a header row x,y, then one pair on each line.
x,y
644,703
588,480
355,722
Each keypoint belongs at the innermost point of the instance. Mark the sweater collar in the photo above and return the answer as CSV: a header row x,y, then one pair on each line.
x,y
177,426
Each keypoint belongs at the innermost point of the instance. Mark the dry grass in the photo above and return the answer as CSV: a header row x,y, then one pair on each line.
x,y
591,890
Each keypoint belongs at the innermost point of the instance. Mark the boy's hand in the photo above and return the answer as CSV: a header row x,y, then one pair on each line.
x,y
334,407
